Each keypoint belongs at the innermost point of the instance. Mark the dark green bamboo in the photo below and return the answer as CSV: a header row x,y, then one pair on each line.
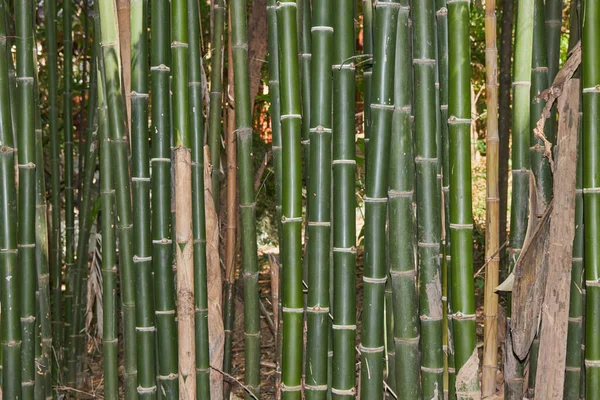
x,y
319,202
344,226
162,255
402,224
50,14
26,195
10,327
305,56
243,128
390,350
291,201
428,206
115,100
69,179
553,32
375,269
140,176
215,125
199,221
367,9
591,192
520,161
461,218
575,357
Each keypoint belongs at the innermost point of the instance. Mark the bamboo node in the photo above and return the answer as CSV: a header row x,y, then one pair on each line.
x,y
318,223
177,44
285,388
306,56
318,310
6,149
407,340
31,318
320,129
344,392
339,162
322,29
460,316
410,272
315,387
169,377
522,83
424,61
382,106
594,283
572,369
145,328
386,4
293,310
142,390
591,190
162,241
343,327
405,109
290,116
461,226
375,280
442,12
594,89
370,350
420,159
29,165
432,370
434,245
345,250
160,68
285,220
376,199
454,120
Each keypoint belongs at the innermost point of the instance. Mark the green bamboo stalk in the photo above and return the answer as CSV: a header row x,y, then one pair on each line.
x,y
553,32
215,125
402,224
575,356
428,208
26,195
291,201
69,179
319,202
50,14
184,252
243,128
115,99
367,9
305,56
375,270
591,103
140,176
461,218
390,349
199,221
344,232
275,109
520,162
162,254
10,327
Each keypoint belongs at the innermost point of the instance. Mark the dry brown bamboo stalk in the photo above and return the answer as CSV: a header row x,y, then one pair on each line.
x,y
490,308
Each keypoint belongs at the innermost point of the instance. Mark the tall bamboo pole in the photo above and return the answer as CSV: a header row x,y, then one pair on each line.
x,y
553,32
428,209
291,201
26,195
461,218
215,125
140,176
319,202
520,164
492,243
573,373
10,327
402,238
367,9
305,56
243,128
182,156
198,214
120,154
591,181
50,14
375,270
162,255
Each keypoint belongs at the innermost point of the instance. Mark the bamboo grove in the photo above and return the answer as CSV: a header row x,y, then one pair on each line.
x,y
135,260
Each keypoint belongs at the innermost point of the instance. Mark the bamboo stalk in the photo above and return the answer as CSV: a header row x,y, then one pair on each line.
x,y
553,32
140,176
591,102
291,202
115,100
367,9
461,218
520,165
375,270
198,211
319,202
10,333
490,344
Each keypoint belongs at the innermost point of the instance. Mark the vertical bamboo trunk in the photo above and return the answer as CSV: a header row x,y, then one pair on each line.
x,y
375,270
26,192
162,255
319,202
216,97
184,254
401,222
10,327
367,9
305,56
50,14
513,387
83,134
291,202
461,218
115,100
428,210
591,181
275,108
140,176
573,370
243,129
232,221
490,337
553,32
198,214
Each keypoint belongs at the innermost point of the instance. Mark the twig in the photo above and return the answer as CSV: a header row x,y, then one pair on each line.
x,y
246,388
489,259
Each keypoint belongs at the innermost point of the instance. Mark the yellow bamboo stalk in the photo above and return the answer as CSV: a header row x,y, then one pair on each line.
x,y
490,307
